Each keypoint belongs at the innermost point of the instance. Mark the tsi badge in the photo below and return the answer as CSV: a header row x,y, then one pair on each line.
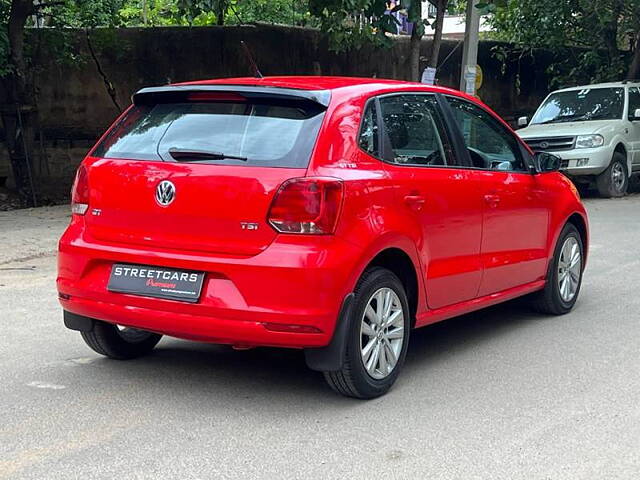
x,y
248,226
165,193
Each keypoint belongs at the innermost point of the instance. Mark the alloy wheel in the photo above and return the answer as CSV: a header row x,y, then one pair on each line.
x,y
569,269
382,333
617,176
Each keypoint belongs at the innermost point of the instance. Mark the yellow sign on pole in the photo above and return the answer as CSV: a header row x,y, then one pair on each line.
x,y
479,77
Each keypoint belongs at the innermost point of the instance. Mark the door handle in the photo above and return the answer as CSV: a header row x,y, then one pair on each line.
x,y
416,202
492,200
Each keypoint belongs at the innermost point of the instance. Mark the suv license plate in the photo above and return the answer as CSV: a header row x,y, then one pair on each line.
x,y
159,282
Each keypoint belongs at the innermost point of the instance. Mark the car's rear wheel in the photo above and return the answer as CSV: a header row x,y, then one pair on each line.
x,y
614,181
121,343
564,278
378,336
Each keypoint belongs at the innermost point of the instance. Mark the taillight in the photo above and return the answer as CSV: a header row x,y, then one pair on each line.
x,y
80,192
308,205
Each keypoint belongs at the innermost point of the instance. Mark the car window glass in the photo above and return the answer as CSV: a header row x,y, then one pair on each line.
x,y
634,101
582,105
411,130
268,134
368,139
490,145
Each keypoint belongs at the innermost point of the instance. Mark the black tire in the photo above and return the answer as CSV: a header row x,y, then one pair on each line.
x,y
353,380
110,341
607,185
549,300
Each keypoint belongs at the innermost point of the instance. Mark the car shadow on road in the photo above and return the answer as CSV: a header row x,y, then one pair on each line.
x,y
216,371
439,341
259,371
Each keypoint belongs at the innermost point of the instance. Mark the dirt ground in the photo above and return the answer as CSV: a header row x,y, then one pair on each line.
x,y
31,233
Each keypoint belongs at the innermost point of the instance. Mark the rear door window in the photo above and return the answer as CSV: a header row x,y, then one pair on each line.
x,y
413,130
266,133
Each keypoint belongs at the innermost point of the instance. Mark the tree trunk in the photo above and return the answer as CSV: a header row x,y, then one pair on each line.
x,y
610,34
221,10
634,68
145,12
19,114
415,16
414,56
441,5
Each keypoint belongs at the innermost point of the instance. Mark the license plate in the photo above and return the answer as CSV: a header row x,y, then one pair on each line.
x,y
159,282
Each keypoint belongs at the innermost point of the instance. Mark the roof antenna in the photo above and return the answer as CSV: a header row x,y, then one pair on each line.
x,y
256,71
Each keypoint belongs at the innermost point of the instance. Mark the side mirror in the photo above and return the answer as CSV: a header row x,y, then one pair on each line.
x,y
636,114
547,162
524,121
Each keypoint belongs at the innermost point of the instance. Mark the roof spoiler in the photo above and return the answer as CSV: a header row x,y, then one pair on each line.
x,y
178,93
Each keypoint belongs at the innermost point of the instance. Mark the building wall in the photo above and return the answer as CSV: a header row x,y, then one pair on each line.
x,y
75,107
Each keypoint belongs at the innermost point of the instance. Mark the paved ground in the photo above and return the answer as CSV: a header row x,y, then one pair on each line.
x,y
500,394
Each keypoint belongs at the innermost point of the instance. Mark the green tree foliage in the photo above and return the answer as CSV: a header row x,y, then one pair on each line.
x,y
136,13
352,23
289,12
601,34
83,14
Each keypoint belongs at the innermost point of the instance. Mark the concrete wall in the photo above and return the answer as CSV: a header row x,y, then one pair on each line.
x,y
75,108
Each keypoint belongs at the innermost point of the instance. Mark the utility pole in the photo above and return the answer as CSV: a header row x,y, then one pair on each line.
x,y
470,52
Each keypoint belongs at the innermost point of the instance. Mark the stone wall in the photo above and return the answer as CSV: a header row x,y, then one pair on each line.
x,y
75,107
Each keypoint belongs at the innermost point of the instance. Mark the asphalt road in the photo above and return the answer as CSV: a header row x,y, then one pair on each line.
x,y
499,394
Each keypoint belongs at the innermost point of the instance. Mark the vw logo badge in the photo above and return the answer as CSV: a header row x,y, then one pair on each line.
x,y
165,193
544,144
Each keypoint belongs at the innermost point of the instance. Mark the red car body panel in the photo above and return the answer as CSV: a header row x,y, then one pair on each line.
x,y
474,237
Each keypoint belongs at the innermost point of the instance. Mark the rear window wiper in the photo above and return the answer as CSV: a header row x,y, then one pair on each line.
x,y
186,154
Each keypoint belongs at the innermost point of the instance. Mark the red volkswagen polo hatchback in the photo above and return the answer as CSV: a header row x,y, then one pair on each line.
x,y
327,214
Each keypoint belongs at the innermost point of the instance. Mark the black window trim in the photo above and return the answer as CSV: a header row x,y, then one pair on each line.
x,y
443,132
527,159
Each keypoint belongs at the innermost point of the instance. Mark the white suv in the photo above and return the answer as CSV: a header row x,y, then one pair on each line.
x,y
594,129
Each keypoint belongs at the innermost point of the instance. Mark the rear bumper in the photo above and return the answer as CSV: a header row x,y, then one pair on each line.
x,y
295,282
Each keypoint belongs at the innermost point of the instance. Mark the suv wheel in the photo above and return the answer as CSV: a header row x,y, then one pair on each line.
x,y
613,182
377,338
120,343
565,274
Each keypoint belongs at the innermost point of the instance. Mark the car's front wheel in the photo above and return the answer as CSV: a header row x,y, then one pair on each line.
x,y
614,181
564,278
378,335
121,343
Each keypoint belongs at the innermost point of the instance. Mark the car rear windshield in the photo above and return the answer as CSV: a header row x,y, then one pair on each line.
x,y
267,133
581,105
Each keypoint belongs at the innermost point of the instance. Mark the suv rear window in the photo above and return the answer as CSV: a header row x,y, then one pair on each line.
x,y
267,133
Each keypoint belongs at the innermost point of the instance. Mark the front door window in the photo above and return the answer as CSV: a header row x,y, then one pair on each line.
x,y
491,146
